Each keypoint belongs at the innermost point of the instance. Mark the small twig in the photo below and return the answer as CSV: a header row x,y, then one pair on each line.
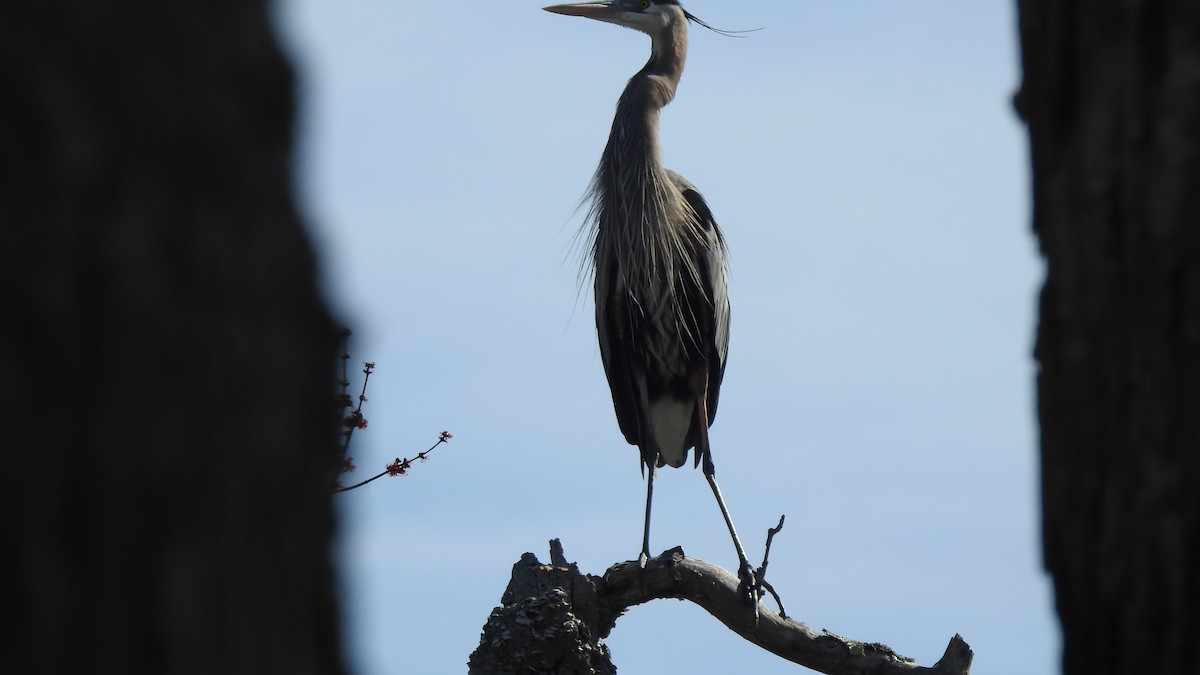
x,y
355,419
771,589
400,467
761,573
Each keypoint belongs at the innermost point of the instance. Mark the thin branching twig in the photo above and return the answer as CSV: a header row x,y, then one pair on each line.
x,y
400,467
352,418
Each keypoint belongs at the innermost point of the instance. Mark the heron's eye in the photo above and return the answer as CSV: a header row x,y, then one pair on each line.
x,y
644,4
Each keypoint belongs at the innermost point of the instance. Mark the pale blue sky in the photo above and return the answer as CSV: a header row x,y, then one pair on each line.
x,y
871,178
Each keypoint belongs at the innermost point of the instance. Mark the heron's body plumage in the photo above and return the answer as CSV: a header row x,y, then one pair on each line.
x,y
662,312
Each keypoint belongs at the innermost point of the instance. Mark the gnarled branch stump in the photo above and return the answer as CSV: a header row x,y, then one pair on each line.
x,y
552,619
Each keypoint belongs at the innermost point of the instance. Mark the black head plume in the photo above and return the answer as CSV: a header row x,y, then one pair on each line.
x,y
700,22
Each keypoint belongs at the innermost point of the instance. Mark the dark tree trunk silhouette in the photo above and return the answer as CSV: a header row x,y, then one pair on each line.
x,y
165,360
1111,96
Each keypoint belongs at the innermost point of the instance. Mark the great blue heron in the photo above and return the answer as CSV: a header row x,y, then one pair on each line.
x,y
662,312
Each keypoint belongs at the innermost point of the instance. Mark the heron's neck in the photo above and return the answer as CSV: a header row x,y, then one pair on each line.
x,y
635,127
631,181
655,84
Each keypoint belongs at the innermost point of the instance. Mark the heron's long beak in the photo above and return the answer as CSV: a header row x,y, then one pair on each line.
x,y
592,10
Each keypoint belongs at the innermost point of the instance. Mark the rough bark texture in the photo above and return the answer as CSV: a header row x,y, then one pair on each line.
x,y
165,361
1111,96
552,619
549,621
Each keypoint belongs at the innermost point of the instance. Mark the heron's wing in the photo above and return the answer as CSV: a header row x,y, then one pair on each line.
x,y
615,330
712,319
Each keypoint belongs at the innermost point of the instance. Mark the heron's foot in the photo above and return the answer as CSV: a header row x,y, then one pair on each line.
x,y
749,587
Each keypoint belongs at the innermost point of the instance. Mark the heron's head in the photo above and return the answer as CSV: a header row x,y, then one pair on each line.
x,y
648,16
652,17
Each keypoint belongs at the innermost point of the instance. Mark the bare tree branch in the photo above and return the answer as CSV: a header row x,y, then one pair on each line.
x,y
542,599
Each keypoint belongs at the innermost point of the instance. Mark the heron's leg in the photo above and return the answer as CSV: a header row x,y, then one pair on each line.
x,y
749,585
737,543
645,555
710,473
